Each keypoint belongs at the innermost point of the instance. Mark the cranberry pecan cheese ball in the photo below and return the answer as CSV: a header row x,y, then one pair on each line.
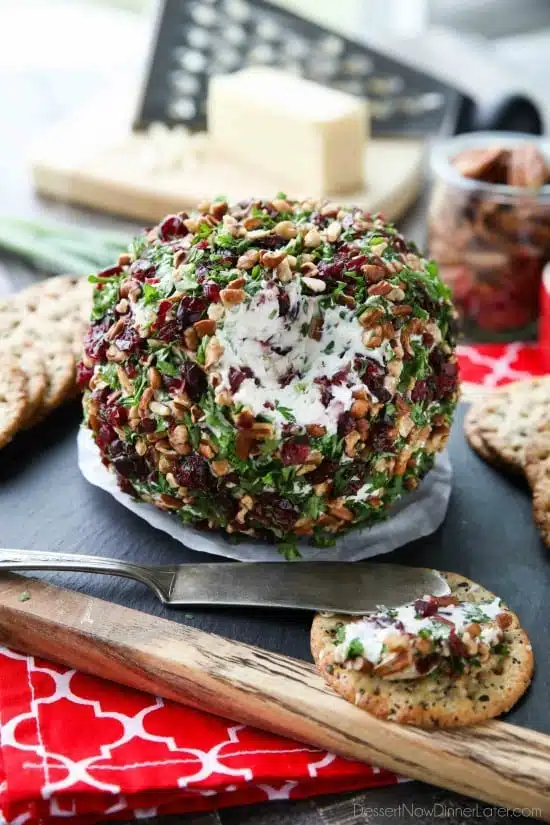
x,y
274,368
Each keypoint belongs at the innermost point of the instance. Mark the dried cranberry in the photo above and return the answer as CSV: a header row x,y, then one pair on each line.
x,y
422,391
331,269
382,436
193,472
169,332
289,376
426,663
147,425
104,436
140,270
457,645
373,377
126,461
194,381
95,344
340,377
237,376
110,272
355,264
294,452
83,374
172,227
326,392
425,607
275,511
268,242
117,415
284,303
212,291
345,424
189,311
129,341
447,380
436,359
322,472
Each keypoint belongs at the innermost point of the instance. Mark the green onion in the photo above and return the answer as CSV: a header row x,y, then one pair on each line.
x,y
58,249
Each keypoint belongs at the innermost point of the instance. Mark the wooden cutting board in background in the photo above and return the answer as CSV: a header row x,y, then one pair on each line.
x,y
94,159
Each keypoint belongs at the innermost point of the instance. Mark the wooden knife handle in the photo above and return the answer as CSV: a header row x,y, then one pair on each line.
x,y
496,762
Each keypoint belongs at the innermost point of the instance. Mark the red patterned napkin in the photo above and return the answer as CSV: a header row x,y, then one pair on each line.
x,y
77,747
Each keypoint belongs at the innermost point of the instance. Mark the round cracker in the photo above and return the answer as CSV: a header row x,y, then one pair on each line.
x,y
13,398
475,439
537,470
510,416
64,301
32,364
430,702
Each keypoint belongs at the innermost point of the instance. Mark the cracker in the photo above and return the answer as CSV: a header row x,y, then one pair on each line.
x,y
30,361
537,470
13,398
444,702
475,439
59,362
65,301
510,416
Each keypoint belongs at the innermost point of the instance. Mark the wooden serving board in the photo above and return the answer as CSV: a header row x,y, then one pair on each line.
x,y
499,763
94,159
265,676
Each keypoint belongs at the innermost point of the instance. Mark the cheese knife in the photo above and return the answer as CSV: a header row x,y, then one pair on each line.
x,y
341,587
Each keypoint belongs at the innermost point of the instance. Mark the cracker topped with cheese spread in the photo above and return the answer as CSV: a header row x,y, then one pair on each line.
x,y
438,662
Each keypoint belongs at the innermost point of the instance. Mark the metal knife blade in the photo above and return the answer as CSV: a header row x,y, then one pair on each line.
x,y
336,587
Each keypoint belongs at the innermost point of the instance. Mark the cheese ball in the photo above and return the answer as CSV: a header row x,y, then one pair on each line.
x,y
276,369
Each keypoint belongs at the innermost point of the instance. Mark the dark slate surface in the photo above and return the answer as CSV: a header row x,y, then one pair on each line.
x,y
488,535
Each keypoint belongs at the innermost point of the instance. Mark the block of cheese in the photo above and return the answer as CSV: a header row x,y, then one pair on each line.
x,y
307,138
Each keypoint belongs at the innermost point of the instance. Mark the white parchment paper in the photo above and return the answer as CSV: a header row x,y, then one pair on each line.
x,y
417,514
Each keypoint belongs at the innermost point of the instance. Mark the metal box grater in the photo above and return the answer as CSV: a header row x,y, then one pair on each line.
x,y
197,38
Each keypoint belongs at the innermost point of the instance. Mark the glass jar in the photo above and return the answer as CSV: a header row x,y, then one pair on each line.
x,y
491,241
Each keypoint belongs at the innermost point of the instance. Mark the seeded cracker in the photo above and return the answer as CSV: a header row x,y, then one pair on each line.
x,y
32,363
537,470
508,418
13,398
484,690
274,368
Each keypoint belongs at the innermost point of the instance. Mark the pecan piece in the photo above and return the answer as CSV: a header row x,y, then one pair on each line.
x,y
527,167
